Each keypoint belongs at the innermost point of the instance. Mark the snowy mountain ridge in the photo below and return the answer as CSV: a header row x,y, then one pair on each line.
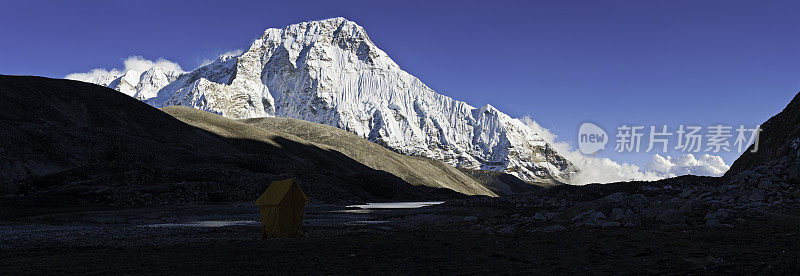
x,y
330,72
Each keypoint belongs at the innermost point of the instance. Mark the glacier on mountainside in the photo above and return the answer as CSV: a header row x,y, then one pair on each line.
x,y
330,72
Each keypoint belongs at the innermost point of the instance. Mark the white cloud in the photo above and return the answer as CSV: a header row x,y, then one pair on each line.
x,y
604,170
141,64
95,75
711,165
132,63
543,132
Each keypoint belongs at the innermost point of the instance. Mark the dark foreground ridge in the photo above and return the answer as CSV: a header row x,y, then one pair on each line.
x,y
69,142
779,146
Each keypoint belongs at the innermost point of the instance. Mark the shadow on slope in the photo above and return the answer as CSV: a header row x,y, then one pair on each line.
x,y
415,170
778,148
503,183
72,142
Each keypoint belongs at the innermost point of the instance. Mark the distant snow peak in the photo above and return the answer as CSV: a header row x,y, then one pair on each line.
x,y
140,78
330,72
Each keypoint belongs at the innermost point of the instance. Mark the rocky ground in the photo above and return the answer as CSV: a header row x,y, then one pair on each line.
x,y
678,203
745,224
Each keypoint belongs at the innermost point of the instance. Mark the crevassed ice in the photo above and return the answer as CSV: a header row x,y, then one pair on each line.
x,y
330,72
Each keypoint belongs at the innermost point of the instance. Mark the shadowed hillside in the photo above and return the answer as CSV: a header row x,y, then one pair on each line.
x,y
72,142
504,183
778,146
415,170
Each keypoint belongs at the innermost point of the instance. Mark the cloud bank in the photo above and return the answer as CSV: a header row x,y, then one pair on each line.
x,y
687,164
132,63
604,170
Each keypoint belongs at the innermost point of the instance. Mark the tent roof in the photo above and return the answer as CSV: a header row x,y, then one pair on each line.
x,y
277,191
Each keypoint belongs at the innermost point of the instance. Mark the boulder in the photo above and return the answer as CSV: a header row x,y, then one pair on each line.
x,y
617,197
673,217
595,223
553,228
638,201
632,219
719,215
507,230
589,218
617,214
588,215
713,223
610,224
756,196
766,184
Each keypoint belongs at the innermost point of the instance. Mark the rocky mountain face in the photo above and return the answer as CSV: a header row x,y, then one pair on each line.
x,y
778,151
330,72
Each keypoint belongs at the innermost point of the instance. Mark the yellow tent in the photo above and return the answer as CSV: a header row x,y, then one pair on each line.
x,y
281,208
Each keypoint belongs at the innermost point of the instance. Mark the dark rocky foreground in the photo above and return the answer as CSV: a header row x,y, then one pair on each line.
x,y
747,223
79,161
677,203
442,239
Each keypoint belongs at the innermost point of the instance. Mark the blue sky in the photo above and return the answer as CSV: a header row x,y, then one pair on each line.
x,y
561,62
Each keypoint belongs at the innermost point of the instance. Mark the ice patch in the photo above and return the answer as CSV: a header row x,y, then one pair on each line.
x,y
396,205
206,223
366,222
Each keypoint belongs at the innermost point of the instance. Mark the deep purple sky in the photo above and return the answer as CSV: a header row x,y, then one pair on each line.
x,y
562,62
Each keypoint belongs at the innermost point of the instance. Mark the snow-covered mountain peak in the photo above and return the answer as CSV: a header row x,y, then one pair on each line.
x,y
319,35
307,32
330,72
490,109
